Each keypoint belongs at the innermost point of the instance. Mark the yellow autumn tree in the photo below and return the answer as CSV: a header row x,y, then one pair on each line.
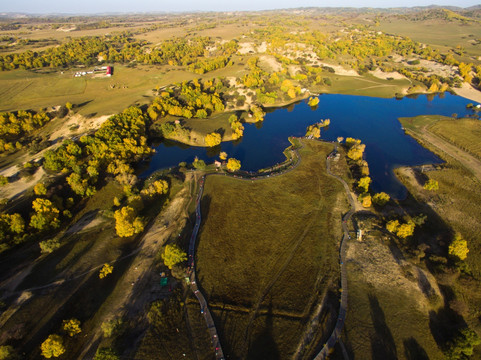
x,y
405,230
223,155
173,255
313,101
39,189
392,226
127,223
71,327
106,270
363,183
233,164
365,200
431,185
459,247
46,215
213,139
52,347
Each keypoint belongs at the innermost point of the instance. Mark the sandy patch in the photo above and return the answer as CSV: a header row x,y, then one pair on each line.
x,y
270,62
339,70
20,186
468,92
76,125
246,48
262,48
437,68
385,75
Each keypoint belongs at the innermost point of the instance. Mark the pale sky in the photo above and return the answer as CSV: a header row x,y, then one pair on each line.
x,y
102,6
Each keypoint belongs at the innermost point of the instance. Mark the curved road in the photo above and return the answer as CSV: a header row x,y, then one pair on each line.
x,y
336,333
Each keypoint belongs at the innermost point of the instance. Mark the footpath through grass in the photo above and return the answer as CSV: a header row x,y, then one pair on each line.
x,y
270,245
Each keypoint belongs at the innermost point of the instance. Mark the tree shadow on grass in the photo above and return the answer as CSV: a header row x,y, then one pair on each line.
x,y
382,342
264,346
413,350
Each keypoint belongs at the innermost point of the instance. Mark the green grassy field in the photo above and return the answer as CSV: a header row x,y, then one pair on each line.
x,y
464,133
440,34
366,85
279,241
457,205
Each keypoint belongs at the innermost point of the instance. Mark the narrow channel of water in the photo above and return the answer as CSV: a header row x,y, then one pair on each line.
x,y
373,120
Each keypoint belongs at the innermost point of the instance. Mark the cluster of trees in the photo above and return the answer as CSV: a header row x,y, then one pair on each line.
x,y
120,141
356,149
402,230
54,346
14,127
236,126
314,130
204,65
189,99
123,48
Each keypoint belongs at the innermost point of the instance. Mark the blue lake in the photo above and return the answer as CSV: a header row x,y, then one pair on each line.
x,y
373,120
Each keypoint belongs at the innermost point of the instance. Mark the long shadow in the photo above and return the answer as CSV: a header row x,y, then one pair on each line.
x,y
382,343
264,346
413,350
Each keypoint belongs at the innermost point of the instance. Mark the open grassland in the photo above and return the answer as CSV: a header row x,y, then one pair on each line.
x,y
269,247
366,85
464,133
438,33
457,204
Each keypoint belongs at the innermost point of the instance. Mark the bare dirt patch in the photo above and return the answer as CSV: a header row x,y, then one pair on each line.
x,y
387,75
468,92
383,267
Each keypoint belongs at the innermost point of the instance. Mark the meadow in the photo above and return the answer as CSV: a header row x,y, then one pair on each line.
x,y
268,250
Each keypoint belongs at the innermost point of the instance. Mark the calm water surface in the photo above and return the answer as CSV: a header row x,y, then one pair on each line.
x,y
373,120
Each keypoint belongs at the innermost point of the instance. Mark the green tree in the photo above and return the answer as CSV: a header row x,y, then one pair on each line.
x,y
233,164
198,164
52,347
459,247
461,347
173,255
431,185
110,327
381,198
105,353
7,352
71,327
46,215
127,223
3,180
213,139
158,187
49,246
